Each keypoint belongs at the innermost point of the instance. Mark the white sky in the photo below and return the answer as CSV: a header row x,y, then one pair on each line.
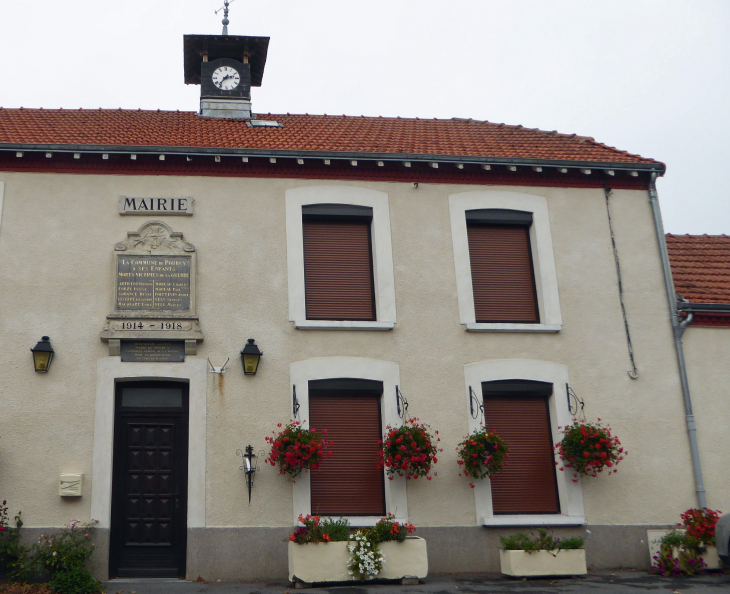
x,y
648,76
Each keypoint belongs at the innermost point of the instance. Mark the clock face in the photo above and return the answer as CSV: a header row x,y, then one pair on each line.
x,y
226,78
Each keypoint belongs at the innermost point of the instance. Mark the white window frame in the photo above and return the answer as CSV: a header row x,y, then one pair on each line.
x,y
543,260
382,255
300,374
570,494
109,371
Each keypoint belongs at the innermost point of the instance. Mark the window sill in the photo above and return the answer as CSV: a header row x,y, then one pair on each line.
x,y
536,520
361,521
342,325
546,328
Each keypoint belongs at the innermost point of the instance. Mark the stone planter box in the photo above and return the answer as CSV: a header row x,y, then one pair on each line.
x,y
543,563
327,562
711,559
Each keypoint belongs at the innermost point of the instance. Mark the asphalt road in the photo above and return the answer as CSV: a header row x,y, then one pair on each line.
x,y
605,582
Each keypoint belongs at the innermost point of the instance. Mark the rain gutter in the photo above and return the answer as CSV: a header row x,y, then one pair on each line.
x,y
335,155
678,329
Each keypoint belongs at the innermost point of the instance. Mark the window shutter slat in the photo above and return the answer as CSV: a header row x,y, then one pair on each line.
x,y
338,271
501,273
349,482
527,483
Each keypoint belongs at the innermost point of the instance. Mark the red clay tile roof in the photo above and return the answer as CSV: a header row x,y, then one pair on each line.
x,y
330,134
700,267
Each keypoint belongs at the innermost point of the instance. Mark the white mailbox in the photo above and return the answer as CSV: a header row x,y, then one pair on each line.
x,y
70,485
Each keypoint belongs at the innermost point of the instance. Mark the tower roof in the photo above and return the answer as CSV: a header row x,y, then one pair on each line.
x,y
224,46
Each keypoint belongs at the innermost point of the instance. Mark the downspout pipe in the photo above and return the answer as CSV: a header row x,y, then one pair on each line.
x,y
678,329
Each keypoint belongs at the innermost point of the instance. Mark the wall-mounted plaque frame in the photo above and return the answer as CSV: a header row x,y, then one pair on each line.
x,y
154,273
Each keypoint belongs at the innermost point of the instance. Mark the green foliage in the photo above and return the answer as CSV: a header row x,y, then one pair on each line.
x,y
543,541
482,454
338,530
409,450
76,581
366,560
589,448
679,554
314,529
14,557
574,542
388,529
67,550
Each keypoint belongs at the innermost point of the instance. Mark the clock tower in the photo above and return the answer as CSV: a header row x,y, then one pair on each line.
x,y
225,67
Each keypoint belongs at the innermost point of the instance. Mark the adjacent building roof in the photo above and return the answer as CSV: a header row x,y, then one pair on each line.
x,y
318,134
700,267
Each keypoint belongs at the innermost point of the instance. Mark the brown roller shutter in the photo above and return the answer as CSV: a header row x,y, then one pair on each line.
x,y
527,484
501,274
338,271
349,482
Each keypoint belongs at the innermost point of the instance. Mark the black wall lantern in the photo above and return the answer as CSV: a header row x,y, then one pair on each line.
x,y
250,466
250,356
42,355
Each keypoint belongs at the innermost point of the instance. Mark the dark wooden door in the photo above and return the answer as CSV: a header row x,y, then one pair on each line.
x,y
149,484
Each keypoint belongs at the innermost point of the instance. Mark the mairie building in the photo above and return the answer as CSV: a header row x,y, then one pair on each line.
x,y
454,270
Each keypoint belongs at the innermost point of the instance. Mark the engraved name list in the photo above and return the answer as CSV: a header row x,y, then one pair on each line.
x,y
153,283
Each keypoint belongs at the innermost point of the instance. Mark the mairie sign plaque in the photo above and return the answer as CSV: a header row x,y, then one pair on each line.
x,y
153,283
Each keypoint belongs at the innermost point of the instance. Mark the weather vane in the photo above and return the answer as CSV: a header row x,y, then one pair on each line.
x,y
224,8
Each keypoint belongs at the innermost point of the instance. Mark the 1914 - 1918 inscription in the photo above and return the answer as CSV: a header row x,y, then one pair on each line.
x,y
134,351
153,283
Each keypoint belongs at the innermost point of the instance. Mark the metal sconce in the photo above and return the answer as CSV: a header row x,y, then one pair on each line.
x,y
250,357
42,355
250,466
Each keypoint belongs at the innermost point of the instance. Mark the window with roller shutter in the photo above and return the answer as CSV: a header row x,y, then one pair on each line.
x,y
502,273
338,263
348,483
517,410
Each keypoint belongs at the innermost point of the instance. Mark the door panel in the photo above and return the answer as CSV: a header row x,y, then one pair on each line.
x,y
149,502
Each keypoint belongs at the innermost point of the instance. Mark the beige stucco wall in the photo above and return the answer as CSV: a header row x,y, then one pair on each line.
x,y
56,248
707,355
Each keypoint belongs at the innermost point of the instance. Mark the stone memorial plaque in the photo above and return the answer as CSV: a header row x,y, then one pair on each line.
x,y
154,293
153,283
158,351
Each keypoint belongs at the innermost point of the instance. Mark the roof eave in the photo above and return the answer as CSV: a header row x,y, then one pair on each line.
x,y
655,167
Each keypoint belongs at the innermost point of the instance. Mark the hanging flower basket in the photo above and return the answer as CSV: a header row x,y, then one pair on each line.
x,y
481,454
589,448
409,450
295,449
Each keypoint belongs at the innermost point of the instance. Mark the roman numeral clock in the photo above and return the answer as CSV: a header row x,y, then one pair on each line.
x,y
226,78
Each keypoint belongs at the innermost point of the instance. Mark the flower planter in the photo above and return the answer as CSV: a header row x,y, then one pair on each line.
x,y
711,559
543,563
327,562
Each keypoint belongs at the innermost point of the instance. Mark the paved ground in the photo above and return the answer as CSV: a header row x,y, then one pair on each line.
x,y
604,582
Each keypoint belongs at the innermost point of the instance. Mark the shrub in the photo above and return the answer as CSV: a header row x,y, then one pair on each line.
x,y
678,555
14,557
67,550
700,524
589,448
366,560
76,581
388,529
295,449
315,530
543,541
482,454
409,450
338,530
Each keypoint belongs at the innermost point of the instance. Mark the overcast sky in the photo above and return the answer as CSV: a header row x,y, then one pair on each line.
x,y
647,76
